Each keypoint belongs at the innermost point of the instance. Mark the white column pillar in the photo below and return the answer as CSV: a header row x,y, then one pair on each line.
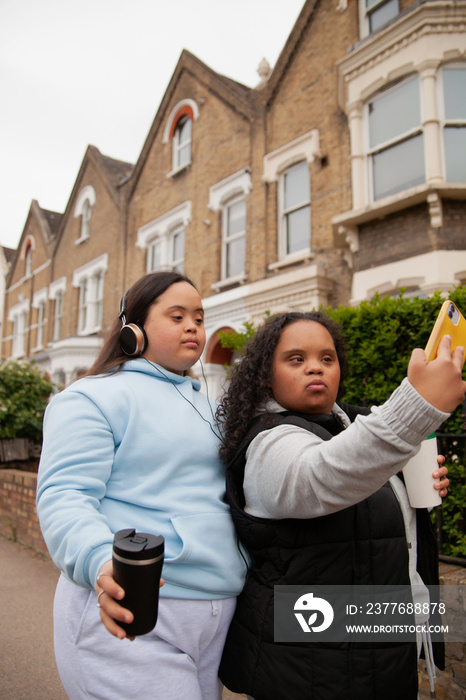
x,y
358,174
431,123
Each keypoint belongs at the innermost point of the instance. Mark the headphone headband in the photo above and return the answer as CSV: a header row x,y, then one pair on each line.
x,y
122,314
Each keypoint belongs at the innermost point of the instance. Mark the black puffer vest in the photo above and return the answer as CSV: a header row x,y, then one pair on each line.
x,y
363,544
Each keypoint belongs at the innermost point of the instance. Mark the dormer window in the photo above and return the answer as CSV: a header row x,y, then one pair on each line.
x,y
182,143
178,131
83,208
28,265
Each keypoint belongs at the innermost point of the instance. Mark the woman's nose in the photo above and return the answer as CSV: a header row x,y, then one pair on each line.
x,y
313,367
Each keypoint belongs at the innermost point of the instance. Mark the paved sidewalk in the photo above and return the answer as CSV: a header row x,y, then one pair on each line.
x,y
27,662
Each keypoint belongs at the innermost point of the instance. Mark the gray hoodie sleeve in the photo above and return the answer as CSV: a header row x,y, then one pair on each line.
x,y
291,472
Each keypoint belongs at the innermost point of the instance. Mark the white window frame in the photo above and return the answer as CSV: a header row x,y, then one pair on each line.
x,y
39,302
177,263
221,196
173,117
57,290
444,122
18,316
304,148
160,231
89,279
283,214
396,140
179,146
366,12
228,238
28,261
58,315
83,208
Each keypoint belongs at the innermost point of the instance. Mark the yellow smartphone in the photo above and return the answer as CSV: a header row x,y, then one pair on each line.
x,y
450,321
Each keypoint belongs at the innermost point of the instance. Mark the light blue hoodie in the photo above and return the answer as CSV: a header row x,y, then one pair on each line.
x,y
128,451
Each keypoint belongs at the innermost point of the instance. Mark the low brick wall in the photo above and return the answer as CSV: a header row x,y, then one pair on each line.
x,y
18,518
18,521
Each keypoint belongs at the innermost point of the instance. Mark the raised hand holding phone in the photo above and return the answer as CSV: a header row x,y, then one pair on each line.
x,y
439,382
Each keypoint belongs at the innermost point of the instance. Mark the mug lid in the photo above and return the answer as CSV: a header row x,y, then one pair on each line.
x,y
138,545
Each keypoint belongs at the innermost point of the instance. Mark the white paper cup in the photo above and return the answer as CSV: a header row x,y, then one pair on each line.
x,y
418,477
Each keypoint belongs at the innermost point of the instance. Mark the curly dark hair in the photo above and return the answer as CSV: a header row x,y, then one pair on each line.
x,y
249,388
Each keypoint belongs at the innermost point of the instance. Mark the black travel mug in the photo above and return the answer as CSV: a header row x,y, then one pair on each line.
x,y
137,567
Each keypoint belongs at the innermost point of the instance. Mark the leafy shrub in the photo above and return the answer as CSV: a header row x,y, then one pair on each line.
x,y
24,393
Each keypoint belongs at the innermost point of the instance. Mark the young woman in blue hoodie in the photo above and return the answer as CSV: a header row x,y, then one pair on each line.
x,y
133,444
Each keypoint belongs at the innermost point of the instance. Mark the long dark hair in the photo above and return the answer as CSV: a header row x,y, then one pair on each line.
x,y
249,388
138,300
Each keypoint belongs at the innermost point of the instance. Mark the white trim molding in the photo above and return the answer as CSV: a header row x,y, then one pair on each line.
x,y
162,225
305,147
56,287
168,124
22,307
91,268
40,297
238,183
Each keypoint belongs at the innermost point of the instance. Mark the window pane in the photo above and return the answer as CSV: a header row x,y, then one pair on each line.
x,y
454,88
184,155
296,186
399,167
58,315
184,131
178,246
236,215
235,252
298,230
155,255
394,113
455,153
383,13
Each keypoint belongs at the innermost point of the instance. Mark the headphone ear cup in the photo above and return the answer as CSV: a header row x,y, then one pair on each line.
x,y
133,339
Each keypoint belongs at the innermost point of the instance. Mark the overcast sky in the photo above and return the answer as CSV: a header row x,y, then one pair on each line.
x,y
74,73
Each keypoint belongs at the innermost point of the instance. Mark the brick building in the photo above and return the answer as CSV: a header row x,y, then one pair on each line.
x,y
342,173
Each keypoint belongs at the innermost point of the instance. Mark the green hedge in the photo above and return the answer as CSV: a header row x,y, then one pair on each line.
x,y
24,393
381,335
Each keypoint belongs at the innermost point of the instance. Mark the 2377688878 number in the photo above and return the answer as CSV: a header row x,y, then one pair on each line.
x,y
401,608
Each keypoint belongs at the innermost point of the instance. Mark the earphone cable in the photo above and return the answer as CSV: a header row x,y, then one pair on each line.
x,y
187,400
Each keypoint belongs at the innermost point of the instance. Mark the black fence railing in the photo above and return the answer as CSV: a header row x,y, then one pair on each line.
x,y
453,446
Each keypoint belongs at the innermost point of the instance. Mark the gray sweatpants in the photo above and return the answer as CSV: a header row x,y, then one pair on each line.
x,y
178,660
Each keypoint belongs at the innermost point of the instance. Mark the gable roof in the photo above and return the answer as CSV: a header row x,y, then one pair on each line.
x,y
113,173
8,253
117,170
235,94
48,221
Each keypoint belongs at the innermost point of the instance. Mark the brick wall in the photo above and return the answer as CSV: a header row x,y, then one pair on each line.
x,y
18,519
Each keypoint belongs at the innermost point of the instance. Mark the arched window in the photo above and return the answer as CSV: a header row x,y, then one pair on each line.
x,y
28,247
178,130
83,208
182,143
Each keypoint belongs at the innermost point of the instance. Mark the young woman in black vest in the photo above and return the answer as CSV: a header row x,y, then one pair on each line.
x,y
315,497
